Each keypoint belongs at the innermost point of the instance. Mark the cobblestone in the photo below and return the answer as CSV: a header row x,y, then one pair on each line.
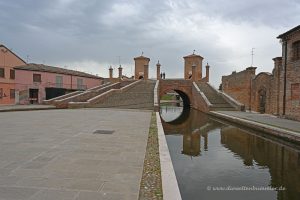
x,y
151,187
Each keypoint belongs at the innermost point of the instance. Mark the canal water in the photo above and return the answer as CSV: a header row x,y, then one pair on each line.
x,y
214,160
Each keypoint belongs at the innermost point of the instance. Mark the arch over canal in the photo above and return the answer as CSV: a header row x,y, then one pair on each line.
x,y
181,87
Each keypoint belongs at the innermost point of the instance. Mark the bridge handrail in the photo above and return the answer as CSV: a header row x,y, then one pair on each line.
x,y
202,95
156,95
112,91
49,101
72,98
229,99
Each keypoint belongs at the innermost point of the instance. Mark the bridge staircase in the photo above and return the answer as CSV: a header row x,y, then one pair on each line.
x,y
138,96
215,98
84,96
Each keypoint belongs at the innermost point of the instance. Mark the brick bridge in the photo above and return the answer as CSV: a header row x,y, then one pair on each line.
x,y
144,93
199,95
180,86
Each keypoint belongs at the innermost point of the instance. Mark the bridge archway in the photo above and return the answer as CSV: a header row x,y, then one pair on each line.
x,y
186,98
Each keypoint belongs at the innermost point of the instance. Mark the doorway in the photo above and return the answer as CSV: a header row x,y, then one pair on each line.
x,y
34,96
262,100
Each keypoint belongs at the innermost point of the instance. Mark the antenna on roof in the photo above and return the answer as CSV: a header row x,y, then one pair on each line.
x,y
252,54
27,58
142,53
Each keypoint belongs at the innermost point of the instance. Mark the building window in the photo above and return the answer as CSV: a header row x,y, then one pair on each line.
x,y
12,74
2,73
12,93
1,93
37,78
80,84
295,91
296,50
59,81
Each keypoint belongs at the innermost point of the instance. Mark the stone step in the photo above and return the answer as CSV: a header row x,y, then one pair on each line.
x,y
140,96
217,101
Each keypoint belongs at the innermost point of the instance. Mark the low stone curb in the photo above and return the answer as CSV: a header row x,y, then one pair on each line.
x,y
26,109
169,182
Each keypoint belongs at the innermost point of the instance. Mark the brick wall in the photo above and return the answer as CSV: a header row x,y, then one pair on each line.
x,y
293,77
245,86
262,83
238,85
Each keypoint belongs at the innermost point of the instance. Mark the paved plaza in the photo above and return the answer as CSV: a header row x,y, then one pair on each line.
x,y
55,154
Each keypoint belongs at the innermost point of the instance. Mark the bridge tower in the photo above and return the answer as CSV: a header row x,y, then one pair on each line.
x,y
141,67
111,72
189,61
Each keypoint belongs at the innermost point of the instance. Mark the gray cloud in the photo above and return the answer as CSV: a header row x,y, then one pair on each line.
x,y
92,34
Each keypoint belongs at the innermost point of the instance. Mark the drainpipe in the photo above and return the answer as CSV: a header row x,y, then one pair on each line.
x,y
284,82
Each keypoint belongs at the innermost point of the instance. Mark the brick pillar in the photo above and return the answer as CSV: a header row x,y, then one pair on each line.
x,y
120,72
158,71
194,72
111,72
146,72
207,72
139,71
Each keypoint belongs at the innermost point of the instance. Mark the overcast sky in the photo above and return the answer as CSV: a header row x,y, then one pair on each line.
x,y
91,35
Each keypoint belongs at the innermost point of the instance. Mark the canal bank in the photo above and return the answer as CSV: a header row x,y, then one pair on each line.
x,y
288,130
169,181
216,160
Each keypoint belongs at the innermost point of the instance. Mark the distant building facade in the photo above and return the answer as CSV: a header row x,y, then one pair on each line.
x,y
8,60
275,93
37,82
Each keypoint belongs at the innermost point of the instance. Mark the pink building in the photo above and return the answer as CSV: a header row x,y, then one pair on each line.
x,y
8,60
36,82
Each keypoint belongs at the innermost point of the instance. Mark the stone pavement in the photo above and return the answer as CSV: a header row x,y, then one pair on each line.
x,y
8,108
55,155
270,120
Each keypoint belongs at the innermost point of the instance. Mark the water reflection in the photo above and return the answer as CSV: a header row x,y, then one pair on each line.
x,y
170,112
209,153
